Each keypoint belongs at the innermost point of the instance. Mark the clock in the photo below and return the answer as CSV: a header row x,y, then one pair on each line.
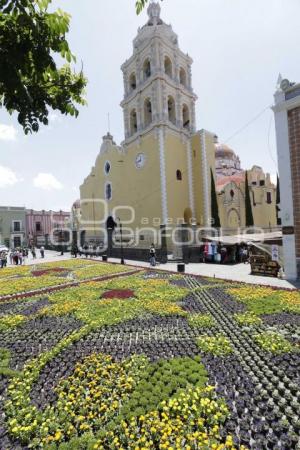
x,y
140,160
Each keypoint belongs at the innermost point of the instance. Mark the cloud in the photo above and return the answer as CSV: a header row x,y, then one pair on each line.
x,y
7,132
7,177
47,181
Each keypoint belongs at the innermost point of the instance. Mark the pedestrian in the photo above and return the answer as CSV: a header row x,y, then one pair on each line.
x,y
33,253
3,259
11,256
16,257
20,257
42,252
152,256
24,255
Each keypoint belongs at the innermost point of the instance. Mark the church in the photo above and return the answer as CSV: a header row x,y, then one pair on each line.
x,y
161,173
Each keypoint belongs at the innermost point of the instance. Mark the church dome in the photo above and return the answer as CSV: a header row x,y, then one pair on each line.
x,y
223,151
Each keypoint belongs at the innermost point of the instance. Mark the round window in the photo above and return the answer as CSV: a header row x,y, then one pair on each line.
x,y
107,167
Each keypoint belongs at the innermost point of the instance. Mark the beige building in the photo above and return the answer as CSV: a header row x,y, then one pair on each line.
x,y
230,187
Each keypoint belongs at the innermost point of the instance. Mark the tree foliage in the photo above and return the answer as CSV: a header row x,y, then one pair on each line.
x,y
32,39
140,5
214,203
248,206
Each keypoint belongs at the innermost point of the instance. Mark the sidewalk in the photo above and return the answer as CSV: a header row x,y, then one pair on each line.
x,y
238,272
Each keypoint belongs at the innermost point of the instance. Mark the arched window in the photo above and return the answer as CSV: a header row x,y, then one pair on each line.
x,y
147,69
132,82
108,191
147,112
231,193
186,117
107,167
168,66
172,110
183,77
179,175
133,122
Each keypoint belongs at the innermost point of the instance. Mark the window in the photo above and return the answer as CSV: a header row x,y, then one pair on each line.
x,y
231,193
17,226
132,82
168,67
171,110
269,198
107,167
147,69
17,242
108,191
254,183
38,226
261,182
182,77
179,175
147,112
186,117
133,122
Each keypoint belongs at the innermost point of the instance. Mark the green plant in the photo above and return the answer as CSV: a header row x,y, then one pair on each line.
x,y
217,345
12,321
273,342
161,381
248,319
201,321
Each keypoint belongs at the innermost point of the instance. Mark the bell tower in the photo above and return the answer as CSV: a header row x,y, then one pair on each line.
x,y
157,81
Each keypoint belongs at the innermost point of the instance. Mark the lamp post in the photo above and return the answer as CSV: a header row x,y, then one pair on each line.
x,y
122,250
61,243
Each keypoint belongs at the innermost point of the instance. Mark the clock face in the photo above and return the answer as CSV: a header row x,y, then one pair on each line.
x,y
140,160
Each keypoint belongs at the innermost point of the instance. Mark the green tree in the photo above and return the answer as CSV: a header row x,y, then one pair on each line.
x,y
140,5
214,203
32,39
248,206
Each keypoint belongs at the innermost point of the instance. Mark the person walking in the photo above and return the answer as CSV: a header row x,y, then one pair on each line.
x,y
42,252
33,253
152,256
3,259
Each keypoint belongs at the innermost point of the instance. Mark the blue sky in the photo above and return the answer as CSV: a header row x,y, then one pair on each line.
x,y
238,46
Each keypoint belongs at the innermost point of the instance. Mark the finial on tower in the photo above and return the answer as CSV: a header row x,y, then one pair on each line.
x,y
153,11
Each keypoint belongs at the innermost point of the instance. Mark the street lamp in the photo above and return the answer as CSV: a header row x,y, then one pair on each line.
x,y
122,250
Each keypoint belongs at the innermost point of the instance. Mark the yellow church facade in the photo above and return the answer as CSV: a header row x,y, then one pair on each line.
x,y
160,175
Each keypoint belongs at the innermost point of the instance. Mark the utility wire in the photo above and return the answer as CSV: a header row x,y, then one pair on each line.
x,y
240,130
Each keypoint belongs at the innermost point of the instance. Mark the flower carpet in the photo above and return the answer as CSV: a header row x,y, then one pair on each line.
x,y
147,360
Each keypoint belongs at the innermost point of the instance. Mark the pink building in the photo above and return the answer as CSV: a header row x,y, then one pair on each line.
x,y
41,226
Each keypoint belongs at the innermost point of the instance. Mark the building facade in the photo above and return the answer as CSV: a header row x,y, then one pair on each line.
x,y
43,226
230,184
287,122
160,174
12,226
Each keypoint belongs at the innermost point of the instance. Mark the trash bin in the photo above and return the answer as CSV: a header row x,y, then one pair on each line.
x,y
104,257
181,267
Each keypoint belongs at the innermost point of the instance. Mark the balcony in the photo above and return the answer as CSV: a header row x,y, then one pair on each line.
x,y
16,230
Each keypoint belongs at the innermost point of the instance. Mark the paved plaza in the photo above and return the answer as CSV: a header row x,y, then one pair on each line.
x,y
237,272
